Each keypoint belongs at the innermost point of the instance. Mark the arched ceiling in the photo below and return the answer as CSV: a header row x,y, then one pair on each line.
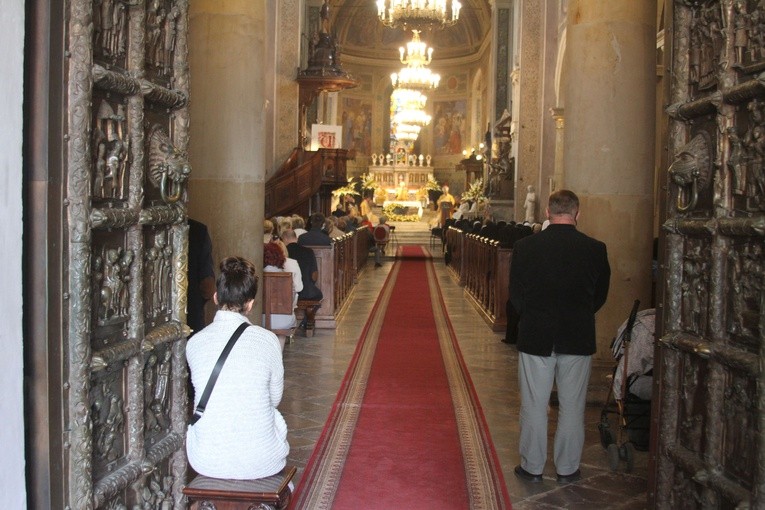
x,y
359,32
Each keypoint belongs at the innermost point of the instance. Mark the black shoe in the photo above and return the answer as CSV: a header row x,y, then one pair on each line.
x,y
573,477
377,264
525,475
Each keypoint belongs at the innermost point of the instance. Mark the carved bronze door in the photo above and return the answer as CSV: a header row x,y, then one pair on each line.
x,y
710,450
121,390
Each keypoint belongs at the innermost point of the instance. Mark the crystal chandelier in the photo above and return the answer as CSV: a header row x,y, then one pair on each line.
x,y
409,107
416,117
416,58
407,132
408,99
418,13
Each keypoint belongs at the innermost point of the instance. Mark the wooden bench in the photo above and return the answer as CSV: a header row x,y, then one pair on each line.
x,y
273,492
308,309
278,299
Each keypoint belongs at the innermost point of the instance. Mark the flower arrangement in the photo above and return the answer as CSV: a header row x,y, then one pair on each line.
x,y
348,189
368,182
392,212
432,184
476,193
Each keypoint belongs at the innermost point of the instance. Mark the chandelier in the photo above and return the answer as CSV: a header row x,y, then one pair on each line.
x,y
407,132
408,99
416,58
415,117
409,107
418,13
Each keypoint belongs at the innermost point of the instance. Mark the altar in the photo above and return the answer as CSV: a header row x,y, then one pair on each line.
x,y
406,203
413,171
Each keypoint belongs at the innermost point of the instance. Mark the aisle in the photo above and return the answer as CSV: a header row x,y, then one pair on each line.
x,y
406,425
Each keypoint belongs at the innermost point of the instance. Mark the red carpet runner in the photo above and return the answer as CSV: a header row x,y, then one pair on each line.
x,y
406,429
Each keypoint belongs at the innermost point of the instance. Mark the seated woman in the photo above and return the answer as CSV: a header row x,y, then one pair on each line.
x,y
275,260
241,434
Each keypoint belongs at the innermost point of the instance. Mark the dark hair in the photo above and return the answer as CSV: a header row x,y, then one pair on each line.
x,y
563,202
273,255
237,283
316,220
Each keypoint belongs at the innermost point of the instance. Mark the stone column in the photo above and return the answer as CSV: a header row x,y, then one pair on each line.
x,y
529,101
609,142
227,110
557,179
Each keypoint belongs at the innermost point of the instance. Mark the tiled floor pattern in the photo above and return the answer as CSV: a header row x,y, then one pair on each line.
x,y
315,367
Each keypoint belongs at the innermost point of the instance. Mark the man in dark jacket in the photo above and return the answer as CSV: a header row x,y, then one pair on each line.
x,y
559,278
309,269
315,235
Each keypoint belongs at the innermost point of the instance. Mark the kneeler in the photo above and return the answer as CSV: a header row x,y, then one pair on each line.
x,y
273,492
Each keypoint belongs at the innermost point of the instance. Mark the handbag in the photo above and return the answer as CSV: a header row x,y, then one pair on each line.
x,y
200,410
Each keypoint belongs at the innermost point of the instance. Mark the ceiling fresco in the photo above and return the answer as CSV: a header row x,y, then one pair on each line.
x,y
359,33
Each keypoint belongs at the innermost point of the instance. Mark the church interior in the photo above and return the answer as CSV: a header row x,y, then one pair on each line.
x,y
125,119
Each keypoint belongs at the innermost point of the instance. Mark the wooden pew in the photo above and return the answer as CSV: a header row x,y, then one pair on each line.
x,y
483,268
339,266
278,299
454,241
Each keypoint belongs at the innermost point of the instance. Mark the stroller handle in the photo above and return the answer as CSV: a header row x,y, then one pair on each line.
x,y
631,321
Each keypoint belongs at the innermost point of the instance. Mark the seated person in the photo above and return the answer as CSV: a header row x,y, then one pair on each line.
x,y
274,261
298,225
463,208
268,231
331,227
315,235
339,211
241,435
309,268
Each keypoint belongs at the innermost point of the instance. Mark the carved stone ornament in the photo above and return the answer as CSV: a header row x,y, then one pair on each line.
x,y
691,168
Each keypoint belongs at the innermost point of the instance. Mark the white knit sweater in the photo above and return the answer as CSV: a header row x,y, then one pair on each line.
x,y
241,434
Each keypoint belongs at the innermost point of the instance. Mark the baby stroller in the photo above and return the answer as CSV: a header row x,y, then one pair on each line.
x,y
629,395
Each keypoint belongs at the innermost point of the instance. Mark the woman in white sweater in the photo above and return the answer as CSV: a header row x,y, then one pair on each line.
x,y
241,434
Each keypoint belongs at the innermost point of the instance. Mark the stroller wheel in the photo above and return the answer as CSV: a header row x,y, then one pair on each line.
x,y
606,436
613,456
629,455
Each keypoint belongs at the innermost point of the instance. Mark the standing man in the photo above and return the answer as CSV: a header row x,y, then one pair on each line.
x,y
558,279
201,276
445,205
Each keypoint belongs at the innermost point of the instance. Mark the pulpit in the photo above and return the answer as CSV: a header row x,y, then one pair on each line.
x,y
473,168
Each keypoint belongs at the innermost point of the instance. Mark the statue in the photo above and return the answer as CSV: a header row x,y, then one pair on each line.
x,y
530,204
324,13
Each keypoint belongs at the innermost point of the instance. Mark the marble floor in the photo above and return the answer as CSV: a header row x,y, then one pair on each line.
x,y
315,367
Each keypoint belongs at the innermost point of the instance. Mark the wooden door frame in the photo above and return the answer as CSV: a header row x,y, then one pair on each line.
x,y
42,274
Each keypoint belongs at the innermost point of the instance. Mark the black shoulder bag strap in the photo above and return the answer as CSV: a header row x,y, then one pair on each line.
x,y
200,410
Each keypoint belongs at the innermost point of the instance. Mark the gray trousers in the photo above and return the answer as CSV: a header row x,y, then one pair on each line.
x,y
536,375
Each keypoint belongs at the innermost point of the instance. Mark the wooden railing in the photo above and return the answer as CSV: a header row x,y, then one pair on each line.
x,y
339,266
483,267
303,176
